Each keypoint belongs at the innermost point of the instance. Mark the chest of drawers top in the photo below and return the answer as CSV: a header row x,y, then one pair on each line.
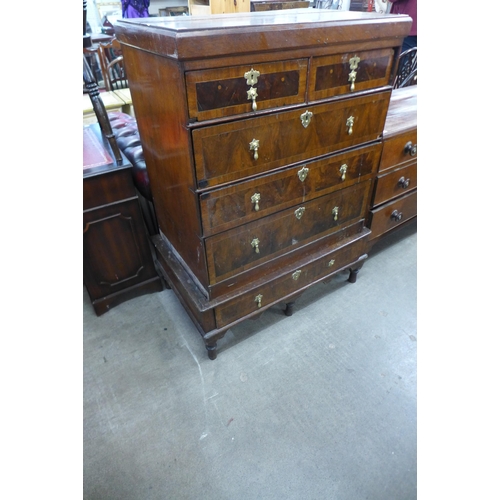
x,y
188,38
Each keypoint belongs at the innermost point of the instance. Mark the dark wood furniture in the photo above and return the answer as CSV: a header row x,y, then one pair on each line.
x,y
262,139
394,200
117,256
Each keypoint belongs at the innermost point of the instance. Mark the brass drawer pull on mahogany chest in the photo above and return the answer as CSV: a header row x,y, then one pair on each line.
x,y
396,216
353,65
254,146
310,70
255,245
404,183
255,200
335,213
350,124
258,299
343,171
411,148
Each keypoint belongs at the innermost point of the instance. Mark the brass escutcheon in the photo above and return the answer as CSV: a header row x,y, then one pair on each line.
x,y
300,212
350,124
335,213
330,264
254,146
258,299
343,170
255,200
306,118
353,62
255,244
252,76
296,274
302,173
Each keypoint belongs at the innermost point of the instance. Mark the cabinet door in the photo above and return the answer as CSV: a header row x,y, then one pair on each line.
x,y
116,253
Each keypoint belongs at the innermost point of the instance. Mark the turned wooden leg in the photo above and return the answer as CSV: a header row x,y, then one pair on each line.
x,y
212,350
289,308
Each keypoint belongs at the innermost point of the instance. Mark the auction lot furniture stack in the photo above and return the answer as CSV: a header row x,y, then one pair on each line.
x,y
261,134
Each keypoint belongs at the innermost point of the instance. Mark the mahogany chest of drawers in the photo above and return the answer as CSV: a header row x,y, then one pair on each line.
x,y
394,200
261,133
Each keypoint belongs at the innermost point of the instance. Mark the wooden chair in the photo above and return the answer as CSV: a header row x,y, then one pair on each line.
x,y
406,74
113,69
100,110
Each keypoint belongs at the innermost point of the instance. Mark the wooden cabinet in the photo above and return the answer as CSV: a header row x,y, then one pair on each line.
x,y
394,200
206,7
262,138
117,257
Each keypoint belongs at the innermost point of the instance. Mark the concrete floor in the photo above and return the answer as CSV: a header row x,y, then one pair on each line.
x,y
321,405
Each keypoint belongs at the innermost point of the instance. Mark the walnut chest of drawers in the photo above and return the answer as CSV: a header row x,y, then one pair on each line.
x,y
261,133
394,200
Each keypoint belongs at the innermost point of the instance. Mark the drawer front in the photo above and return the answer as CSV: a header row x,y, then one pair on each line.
x,y
398,149
236,150
247,246
346,73
285,286
215,93
395,183
225,208
393,214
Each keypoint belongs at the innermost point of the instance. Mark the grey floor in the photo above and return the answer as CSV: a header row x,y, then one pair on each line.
x,y
320,405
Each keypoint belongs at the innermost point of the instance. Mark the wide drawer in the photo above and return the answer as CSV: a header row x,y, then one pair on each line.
x,y
232,151
291,283
349,72
393,214
395,183
248,246
214,93
225,208
398,149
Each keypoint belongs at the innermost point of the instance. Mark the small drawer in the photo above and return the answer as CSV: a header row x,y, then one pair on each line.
x,y
292,282
214,93
236,150
228,207
255,243
393,214
398,149
395,183
347,73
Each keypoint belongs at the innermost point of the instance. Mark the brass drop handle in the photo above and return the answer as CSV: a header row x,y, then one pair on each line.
x,y
411,148
258,299
353,65
335,213
252,94
254,146
252,77
350,124
343,170
296,274
255,244
330,264
404,183
397,216
255,200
